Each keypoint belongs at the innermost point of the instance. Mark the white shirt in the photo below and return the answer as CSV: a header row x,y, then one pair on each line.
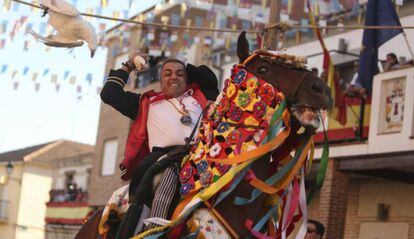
x,y
164,126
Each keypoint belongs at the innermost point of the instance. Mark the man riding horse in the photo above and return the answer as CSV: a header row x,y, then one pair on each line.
x,y
250,122
243,151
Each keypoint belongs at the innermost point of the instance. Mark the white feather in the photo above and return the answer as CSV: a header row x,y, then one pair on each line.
x,y
71,28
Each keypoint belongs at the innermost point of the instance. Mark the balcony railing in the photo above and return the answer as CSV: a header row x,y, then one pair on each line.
x,y
4,215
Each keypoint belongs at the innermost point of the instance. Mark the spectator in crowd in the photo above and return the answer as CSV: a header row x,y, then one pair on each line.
x,y
324,76
315,71
72,192
354,88
315,230
391,62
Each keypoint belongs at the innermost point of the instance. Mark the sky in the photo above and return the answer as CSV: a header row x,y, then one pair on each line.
x,y
29,117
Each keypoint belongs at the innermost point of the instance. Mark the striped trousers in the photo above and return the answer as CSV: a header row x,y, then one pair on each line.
x,y
164,195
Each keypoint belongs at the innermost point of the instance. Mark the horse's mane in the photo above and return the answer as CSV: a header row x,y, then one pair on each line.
x,y
286,61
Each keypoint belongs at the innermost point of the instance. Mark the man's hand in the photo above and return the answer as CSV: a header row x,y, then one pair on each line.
x,y
140,60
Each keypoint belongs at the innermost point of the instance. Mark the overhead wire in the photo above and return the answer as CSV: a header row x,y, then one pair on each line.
x,y
191,28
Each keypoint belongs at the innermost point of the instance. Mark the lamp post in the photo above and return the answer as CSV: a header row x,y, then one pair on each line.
x,y
9,171
9,168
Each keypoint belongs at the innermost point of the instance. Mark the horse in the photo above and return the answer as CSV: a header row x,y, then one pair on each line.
x,y
305,96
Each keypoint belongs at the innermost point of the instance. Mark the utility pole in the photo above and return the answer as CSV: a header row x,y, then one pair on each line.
x,y
274,16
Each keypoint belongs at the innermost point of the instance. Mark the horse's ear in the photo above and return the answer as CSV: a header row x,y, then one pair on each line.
x,y
242,47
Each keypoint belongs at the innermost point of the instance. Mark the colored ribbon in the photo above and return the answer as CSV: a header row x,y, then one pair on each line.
x,y
292,167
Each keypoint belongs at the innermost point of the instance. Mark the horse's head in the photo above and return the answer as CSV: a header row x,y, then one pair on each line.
x,y
306,94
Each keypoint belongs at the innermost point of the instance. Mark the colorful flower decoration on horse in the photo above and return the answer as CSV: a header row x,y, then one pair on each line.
x,y
211,111
244,99
186,172
251,121
223,106
222,168
259,110
240,77
199,154
235,113
252,84
222,127
267,92
186,188
201,166
234,136
215,150
231,90
206,178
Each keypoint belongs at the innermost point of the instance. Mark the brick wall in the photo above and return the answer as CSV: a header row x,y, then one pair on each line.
x,y
352,221
332,202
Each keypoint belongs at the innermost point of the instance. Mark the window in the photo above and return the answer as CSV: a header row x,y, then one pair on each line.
x,y
110,152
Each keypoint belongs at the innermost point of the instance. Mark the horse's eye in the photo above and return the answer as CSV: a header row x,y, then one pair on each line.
x,y
262,70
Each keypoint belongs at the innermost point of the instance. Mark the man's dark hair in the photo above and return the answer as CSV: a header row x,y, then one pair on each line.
x,y
318,226
173,60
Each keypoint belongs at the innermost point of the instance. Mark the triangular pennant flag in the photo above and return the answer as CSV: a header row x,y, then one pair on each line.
x,y
37,87
3,26
34,76
14,73
6,5
23,20
184,9
2,43
53,78
4,68
130,4
66,74
26,45
72,80
15,85
89,78
45,72
25,70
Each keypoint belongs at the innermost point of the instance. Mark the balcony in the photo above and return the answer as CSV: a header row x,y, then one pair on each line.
x,y
4,215
67,207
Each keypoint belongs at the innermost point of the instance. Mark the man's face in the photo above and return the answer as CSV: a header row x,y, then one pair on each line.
x,y
312,233
173,79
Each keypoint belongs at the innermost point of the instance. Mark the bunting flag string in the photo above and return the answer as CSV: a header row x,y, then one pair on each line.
x,y
316,10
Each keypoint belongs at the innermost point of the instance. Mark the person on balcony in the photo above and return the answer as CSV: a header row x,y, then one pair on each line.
x,y
391,62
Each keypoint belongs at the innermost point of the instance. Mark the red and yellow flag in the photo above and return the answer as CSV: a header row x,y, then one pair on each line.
x,y
339,111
